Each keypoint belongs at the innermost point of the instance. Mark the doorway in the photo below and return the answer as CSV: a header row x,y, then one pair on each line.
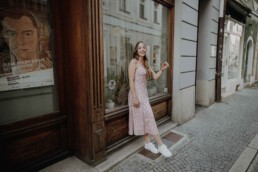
x,y
248,61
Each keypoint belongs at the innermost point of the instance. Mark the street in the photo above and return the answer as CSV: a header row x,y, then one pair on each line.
x,y
215,139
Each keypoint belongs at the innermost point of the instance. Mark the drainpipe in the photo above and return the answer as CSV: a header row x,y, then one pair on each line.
x,y
220,39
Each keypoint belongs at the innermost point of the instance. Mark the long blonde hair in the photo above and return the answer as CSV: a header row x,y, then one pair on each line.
x,y
145,59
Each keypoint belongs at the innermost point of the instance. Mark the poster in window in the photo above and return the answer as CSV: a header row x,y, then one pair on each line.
x,y
25,52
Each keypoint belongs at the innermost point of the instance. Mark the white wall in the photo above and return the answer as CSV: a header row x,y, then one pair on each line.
x,y
207,45
184,69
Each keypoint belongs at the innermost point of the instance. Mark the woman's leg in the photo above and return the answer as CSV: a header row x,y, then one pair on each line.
x,y
147,138
158,140
156,137
149,145
162,148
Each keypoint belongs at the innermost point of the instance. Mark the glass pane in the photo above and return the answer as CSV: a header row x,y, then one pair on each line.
x,y
234,53
26,61
121,32
142,11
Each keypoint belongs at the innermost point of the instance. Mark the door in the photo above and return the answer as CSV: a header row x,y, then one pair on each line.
x,y
248,62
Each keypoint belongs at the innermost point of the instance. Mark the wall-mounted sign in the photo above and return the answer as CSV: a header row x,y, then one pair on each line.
x,y
213,51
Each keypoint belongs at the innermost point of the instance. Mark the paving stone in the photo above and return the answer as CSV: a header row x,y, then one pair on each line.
x,y
215,138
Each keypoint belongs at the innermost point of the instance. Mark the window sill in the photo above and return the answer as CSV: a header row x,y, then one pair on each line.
x,y
124,11
122,110
143,18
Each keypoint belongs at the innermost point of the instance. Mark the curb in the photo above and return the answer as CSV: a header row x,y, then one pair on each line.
x,y
246,158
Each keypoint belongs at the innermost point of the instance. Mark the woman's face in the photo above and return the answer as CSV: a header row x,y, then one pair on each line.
x,y
141,49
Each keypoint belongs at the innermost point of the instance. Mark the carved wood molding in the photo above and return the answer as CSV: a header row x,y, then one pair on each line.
x,y
124,110
29,125
97,60
96,68
99,141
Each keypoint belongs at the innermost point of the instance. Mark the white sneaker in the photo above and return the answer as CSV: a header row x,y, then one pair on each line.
x,y
150,146
164,151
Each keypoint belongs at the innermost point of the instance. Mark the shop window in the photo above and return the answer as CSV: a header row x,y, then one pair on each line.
x,y
234,33
121,33
27,83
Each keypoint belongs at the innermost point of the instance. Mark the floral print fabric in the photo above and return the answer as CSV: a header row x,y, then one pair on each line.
x,y
141,119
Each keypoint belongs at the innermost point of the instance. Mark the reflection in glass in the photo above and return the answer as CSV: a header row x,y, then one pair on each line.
x,y
233,63
142,9
233,32
122,29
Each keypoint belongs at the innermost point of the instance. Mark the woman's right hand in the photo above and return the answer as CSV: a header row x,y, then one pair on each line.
x,y
136,102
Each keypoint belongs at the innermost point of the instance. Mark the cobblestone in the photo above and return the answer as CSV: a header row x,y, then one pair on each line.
x,y
215,138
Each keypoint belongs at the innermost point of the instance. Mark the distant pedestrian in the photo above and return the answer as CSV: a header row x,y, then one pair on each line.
x,y
141,118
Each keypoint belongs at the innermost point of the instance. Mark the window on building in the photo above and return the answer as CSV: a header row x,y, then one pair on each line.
x,y
142,9
124,6
156,12
120,36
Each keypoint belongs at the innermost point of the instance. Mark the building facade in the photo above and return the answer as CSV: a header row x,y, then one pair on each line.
x,y
185,56
249,66
64,80
66,92
239,64
207,52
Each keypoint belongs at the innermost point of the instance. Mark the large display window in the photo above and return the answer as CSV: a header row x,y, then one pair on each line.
x,y
27,87
121,30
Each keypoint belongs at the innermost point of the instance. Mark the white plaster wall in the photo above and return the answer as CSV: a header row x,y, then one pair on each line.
x,y
183,105
206,91
184,69
207,45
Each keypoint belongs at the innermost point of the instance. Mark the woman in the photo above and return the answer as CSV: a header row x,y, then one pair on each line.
x,y
141,118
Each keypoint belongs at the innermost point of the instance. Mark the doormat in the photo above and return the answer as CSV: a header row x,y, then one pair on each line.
x,y
169,139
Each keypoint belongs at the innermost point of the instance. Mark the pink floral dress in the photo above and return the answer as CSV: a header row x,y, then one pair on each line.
x,y
141,119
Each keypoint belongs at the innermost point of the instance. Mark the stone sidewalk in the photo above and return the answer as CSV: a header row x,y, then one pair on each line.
x,y
247,160
220,138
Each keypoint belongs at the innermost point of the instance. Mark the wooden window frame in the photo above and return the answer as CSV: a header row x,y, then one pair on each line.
x,y
122,111
52,127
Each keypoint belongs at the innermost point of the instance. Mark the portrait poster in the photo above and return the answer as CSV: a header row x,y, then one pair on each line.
x,y
25,52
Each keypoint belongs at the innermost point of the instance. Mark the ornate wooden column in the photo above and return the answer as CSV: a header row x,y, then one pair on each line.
x,y
97,109
84,73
